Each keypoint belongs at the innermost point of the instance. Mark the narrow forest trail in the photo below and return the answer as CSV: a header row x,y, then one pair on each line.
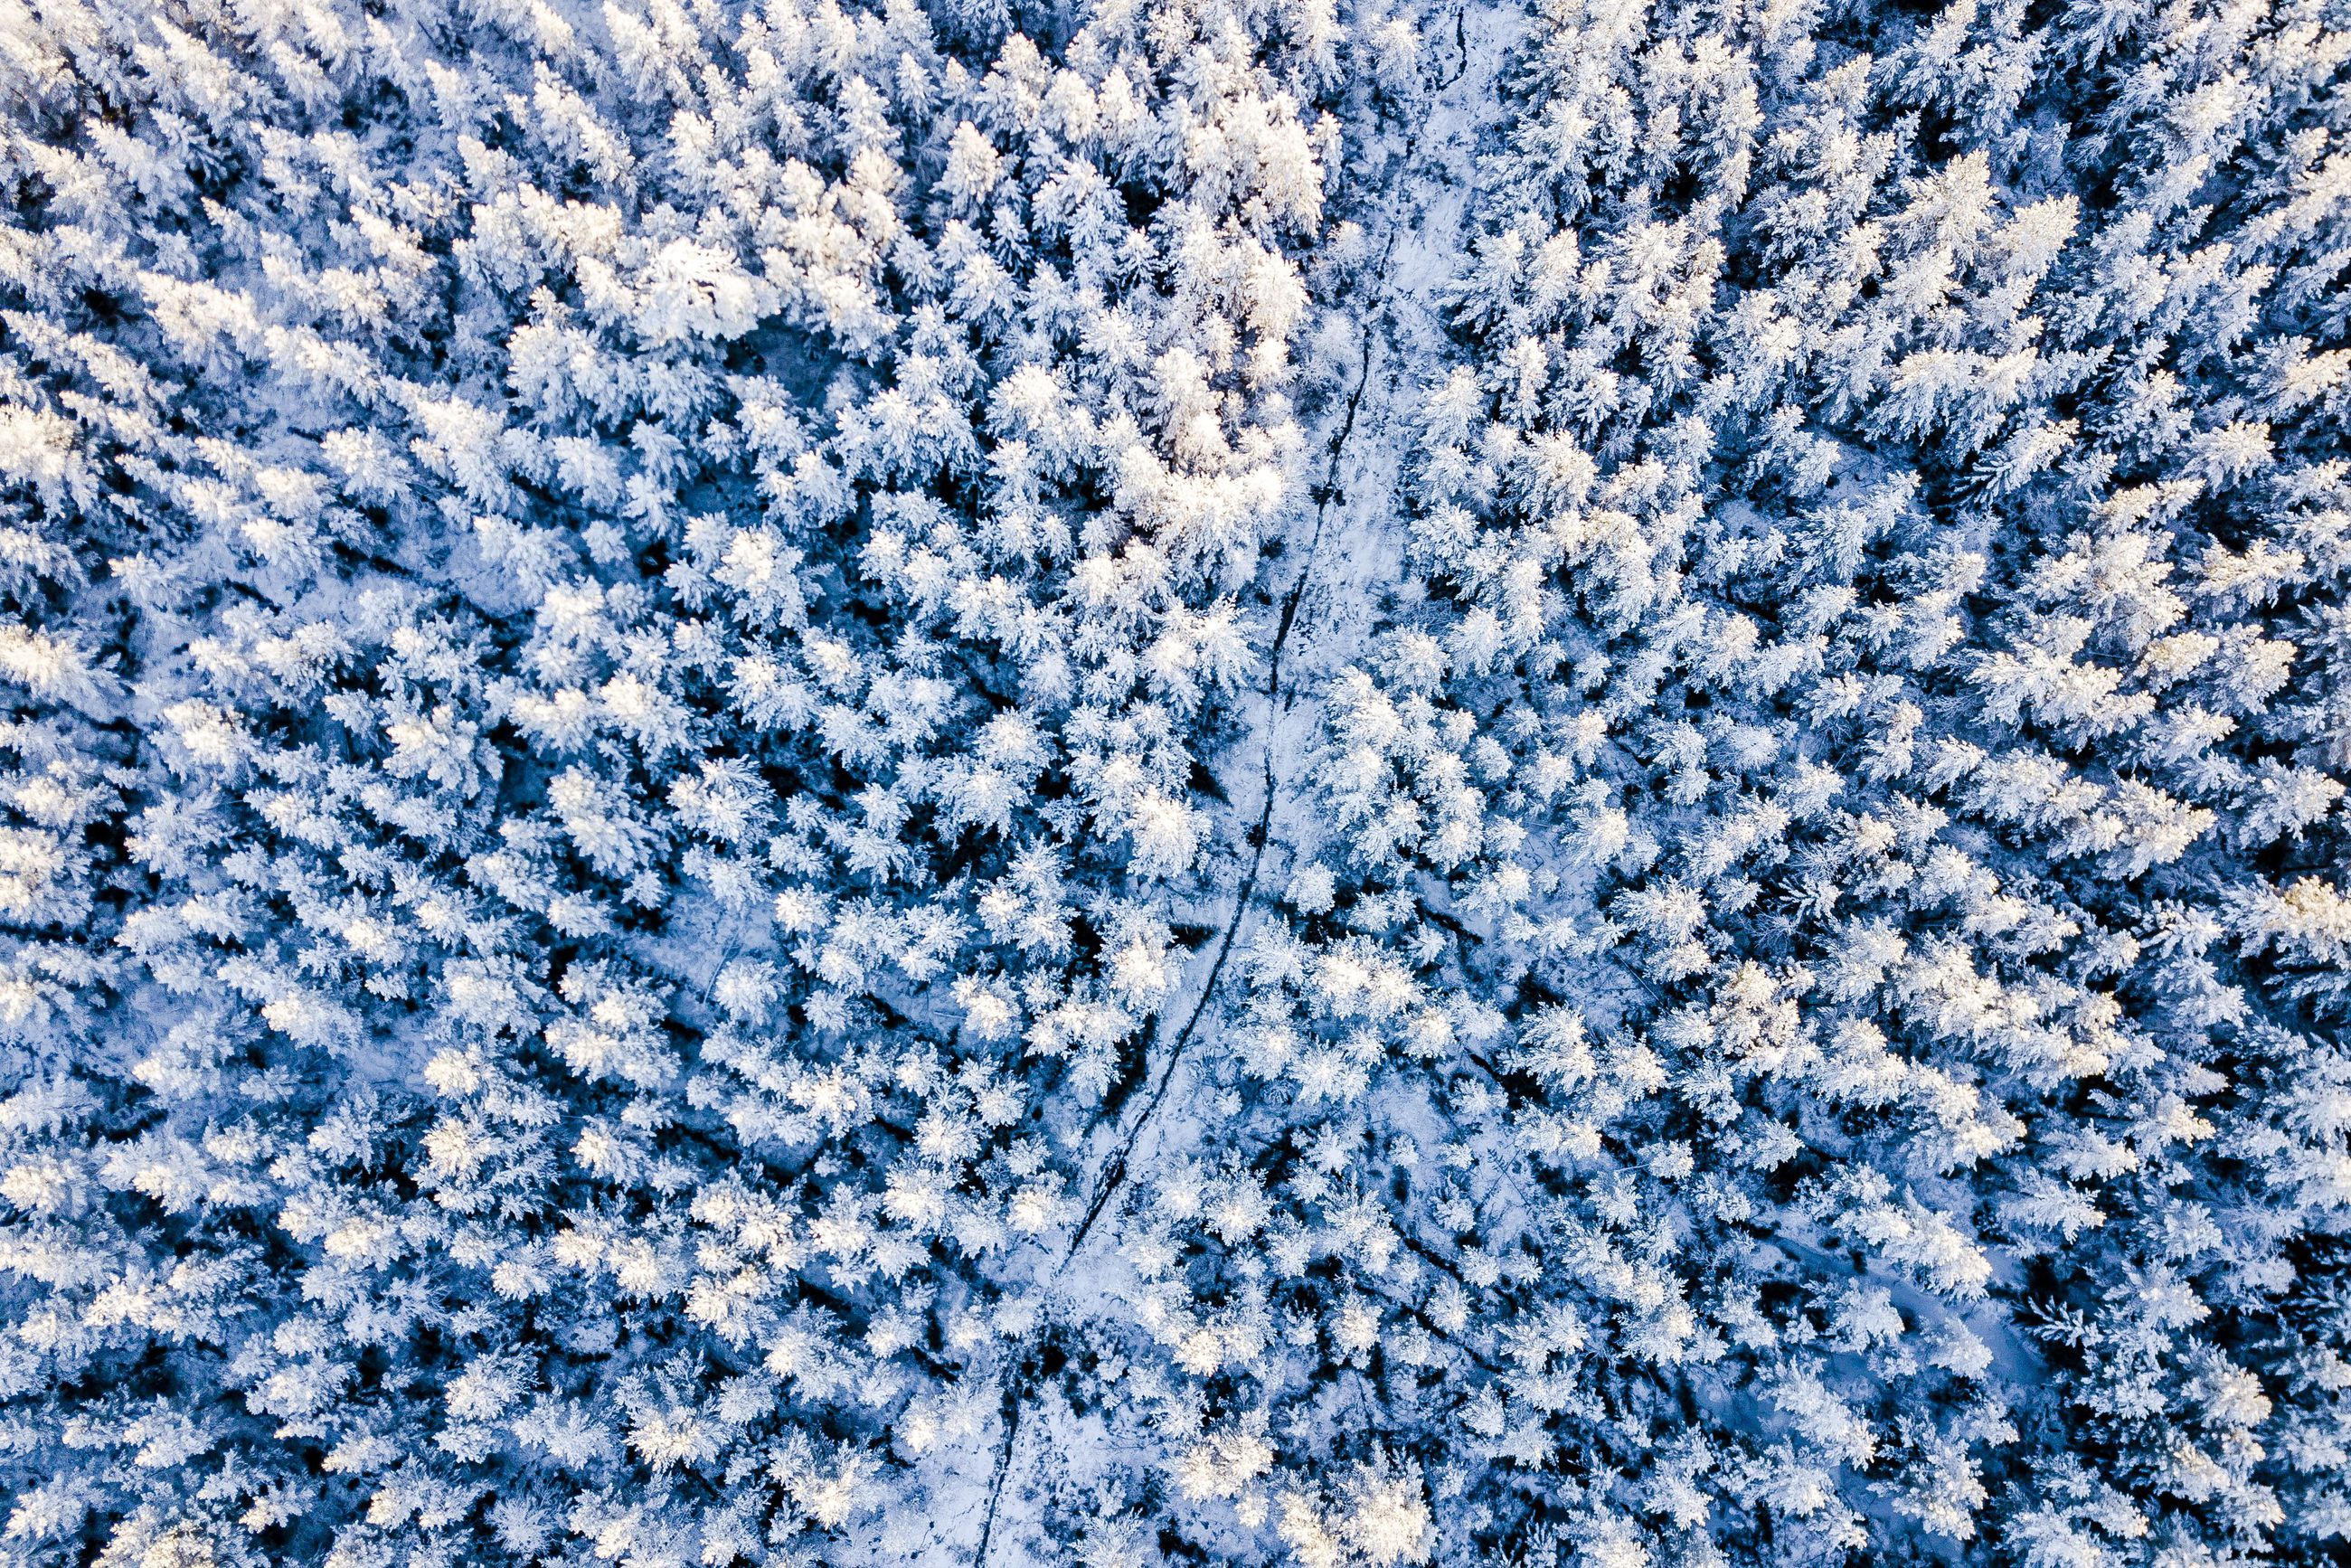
x,y
1348,547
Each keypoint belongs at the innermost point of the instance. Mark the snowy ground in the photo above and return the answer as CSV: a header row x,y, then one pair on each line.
x,y
1342,558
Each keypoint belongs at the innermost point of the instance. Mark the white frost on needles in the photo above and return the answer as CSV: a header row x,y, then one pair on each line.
x,y
1344,785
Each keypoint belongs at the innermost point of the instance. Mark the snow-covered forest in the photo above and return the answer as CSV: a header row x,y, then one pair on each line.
x,y
1220,782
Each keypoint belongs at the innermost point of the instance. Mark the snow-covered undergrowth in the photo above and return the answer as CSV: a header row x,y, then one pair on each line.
x,y
1175,780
